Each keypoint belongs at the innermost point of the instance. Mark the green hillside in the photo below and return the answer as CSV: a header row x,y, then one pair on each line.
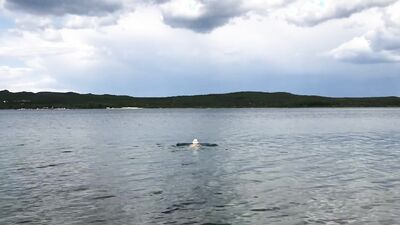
x,y
29,100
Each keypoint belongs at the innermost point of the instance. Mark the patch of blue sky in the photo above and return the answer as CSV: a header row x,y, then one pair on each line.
x,y
14,63
6,23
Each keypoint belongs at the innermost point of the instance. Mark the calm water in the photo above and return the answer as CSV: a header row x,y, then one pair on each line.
x,y
272,166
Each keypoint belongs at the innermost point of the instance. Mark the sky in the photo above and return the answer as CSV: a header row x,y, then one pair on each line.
x,y
185,47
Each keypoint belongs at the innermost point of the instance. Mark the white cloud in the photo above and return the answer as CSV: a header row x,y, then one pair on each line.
x,y
359,50
379,45
313,12
87,22
24,78
13,72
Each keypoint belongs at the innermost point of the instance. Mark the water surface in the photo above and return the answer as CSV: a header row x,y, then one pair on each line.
x,y
271,166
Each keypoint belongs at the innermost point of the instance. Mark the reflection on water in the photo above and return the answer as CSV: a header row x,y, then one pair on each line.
x,y
271,166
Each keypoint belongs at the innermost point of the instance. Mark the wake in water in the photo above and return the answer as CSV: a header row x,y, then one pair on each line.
x,y
196,144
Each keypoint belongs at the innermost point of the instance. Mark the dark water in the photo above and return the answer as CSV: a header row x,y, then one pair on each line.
x,y
272,166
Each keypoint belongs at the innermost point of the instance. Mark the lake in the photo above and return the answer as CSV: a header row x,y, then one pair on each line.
x,y
271,166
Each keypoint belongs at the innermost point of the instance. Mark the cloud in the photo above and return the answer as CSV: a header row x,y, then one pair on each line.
x,y
198,15
206,15
137,45
26,51
385,39
24,78
60,8
201,16
84,22
360,51
380,45
387,36
311,13
8,73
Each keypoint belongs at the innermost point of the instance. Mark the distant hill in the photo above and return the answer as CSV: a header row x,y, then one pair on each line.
x,y
29,100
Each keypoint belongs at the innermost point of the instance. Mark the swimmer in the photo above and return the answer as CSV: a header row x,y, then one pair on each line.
x,y
195,144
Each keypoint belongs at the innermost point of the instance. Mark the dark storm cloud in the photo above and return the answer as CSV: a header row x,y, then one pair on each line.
x,y
60,8
214,14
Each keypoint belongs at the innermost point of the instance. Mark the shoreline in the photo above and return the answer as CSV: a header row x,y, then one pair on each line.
x,y
70,100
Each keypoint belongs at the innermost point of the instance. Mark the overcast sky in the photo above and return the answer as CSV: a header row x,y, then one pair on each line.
x,y
175,47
